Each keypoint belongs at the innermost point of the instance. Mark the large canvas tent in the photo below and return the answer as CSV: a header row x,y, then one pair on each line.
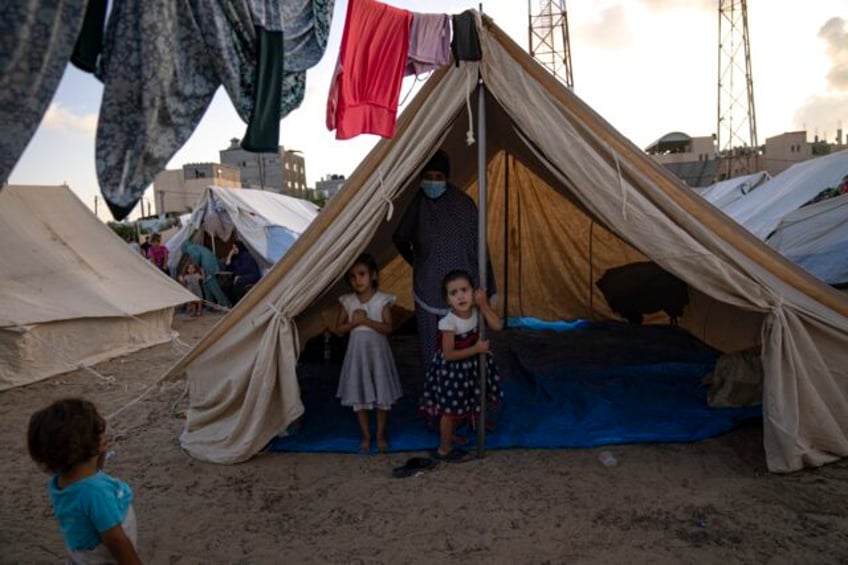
x,y
267,222
569,197
71,292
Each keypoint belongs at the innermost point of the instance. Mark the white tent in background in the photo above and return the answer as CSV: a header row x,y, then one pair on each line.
x,y
268,223
72,293
761,210
816,238
722,193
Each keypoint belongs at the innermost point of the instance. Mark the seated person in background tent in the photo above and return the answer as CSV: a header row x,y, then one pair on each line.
x,y
245,270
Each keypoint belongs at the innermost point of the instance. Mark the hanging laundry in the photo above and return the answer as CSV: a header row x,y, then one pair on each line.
x,y
306,27
89,44
429,43
365,87
155,92
158,81
466,42
36,41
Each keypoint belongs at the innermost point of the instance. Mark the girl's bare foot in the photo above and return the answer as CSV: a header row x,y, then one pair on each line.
x,y
365,445
382,445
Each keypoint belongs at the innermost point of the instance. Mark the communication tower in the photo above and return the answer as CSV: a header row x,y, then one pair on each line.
x,y
549,41
736,130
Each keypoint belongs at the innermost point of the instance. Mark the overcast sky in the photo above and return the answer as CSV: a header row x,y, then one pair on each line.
x,y
648,66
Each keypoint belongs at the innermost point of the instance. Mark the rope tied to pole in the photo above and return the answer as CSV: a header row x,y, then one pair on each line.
x,y
470,84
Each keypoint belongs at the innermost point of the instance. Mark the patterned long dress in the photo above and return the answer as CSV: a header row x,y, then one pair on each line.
x,y
436,237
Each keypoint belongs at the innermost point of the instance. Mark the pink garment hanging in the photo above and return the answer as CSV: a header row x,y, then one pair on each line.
x,y
429,43
366,84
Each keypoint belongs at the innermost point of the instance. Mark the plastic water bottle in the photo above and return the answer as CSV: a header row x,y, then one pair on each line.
x,y
607,459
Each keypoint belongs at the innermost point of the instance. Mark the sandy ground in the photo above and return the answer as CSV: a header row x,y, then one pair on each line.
x,y
706,502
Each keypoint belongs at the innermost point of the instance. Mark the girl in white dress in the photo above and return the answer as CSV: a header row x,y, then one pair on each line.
x,y
369,378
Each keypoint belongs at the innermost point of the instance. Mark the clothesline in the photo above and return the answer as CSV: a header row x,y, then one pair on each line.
x,y
161,64
366,83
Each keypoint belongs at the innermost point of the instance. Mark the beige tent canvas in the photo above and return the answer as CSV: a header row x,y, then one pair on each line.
x,y
72,293
568,198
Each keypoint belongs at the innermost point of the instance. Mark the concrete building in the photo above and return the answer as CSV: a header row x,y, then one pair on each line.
x,y
692,159
329,186
283,171
177,191
782,151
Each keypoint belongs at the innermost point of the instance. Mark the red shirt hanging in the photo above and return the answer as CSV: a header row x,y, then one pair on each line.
x,y
366,85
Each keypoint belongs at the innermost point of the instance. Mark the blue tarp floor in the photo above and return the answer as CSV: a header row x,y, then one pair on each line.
x,y
566,385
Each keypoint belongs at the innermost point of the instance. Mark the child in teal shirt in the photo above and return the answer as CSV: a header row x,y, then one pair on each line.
x,y
94,510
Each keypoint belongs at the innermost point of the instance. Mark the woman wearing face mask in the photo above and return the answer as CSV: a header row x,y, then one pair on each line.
x,y
437,234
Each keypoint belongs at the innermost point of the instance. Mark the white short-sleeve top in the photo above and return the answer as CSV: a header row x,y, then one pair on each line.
x,y
453,323
373,308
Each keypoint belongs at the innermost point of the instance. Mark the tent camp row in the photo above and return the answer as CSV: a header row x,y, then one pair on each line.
x,y
568,198
72,293
268,223
813,236
762,210
722,193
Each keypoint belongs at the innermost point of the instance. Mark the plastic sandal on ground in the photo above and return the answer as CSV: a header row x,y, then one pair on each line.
x,y
413,466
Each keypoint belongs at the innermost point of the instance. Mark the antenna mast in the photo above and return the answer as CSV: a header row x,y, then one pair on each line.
x,y
736,130
549,40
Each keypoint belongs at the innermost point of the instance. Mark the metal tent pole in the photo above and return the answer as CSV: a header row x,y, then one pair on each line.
x,y
482,253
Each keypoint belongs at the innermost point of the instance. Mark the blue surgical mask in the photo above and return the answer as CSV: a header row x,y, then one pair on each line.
x,y
433,188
